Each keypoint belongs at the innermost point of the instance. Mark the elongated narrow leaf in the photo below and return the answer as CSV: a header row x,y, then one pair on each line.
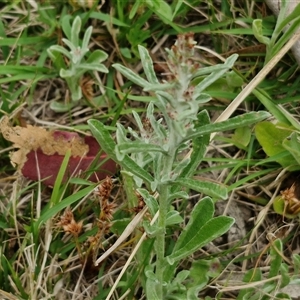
x,y
131,75
198,239
108,145
137,147
293,16
59,179
208,188
75,31
129,188
276,258
86,39
233,123
208,80
279,113
51,212
96,67
276,266
209,70
147,64
199,146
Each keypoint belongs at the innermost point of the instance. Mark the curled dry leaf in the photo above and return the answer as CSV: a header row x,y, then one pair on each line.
x,y
41,152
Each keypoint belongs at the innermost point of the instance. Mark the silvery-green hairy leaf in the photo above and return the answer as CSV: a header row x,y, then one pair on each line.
x,y
106,142
238,121
173,217
131,75
147,65
75,30
199,146
208,188
138,147
93,67
150,201
208,70
86,39
97,56
58,49
211,78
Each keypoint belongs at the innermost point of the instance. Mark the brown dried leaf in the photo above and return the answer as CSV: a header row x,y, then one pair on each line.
x,y
41,153
31,138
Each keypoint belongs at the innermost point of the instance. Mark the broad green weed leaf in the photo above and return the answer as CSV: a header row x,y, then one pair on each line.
x,y
234,80
279,207
179,195
151,283
292,144
271,137
201,214
201,229
208,188
241,137
197,239
173,217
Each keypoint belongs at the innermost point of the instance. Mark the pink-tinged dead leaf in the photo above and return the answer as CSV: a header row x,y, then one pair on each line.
x,y
41,153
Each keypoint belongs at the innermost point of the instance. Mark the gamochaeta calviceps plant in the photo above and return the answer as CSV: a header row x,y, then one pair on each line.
x,y
162,155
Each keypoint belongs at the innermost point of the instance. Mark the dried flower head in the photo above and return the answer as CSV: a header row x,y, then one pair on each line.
x,y
103,190
68,223
291,202
141,203
86,84
107,210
